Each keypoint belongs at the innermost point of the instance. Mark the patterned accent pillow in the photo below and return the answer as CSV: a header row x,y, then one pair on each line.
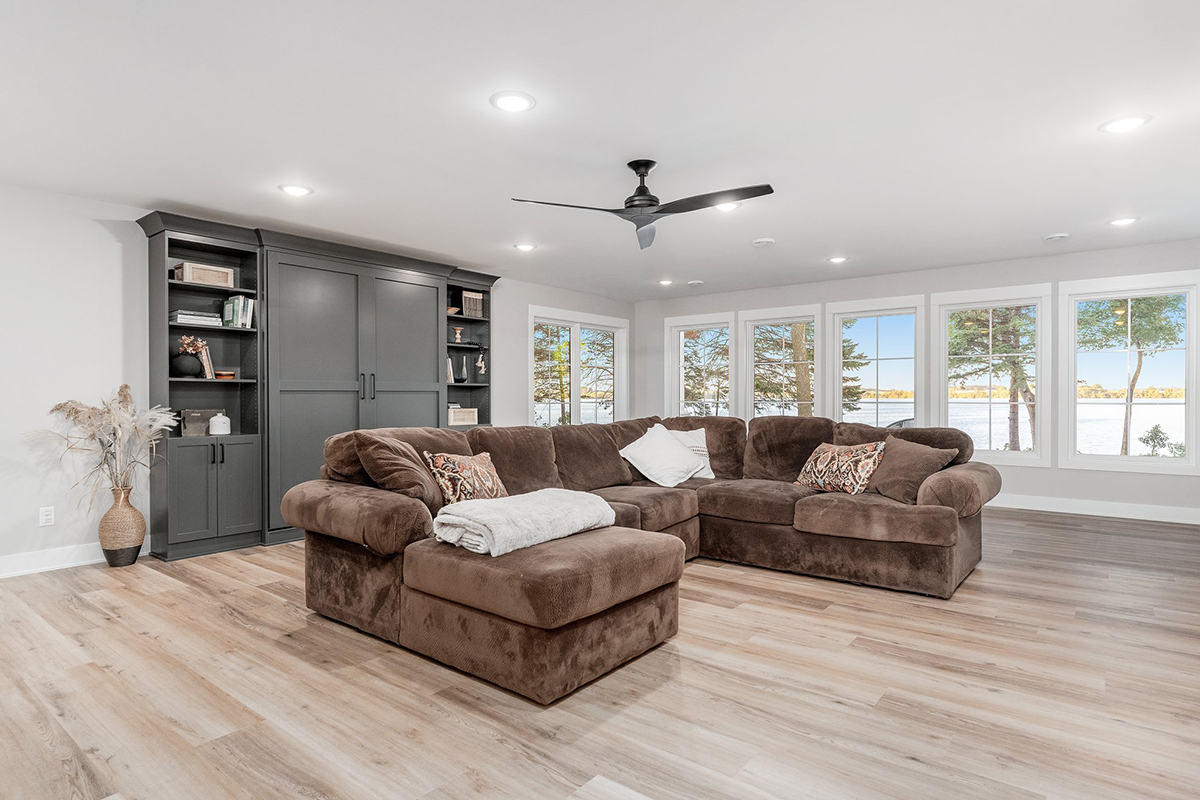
x,y
841,468
465,477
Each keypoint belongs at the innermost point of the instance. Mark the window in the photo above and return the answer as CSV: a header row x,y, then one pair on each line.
x,y
992,352
577,367
704,372
781,361
1132,372
879,368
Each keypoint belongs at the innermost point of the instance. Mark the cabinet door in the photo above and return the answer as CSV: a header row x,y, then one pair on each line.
x,y
192,489
314,388
403,327
239,485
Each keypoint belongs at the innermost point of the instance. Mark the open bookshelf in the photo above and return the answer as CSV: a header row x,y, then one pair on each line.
x,y
475,332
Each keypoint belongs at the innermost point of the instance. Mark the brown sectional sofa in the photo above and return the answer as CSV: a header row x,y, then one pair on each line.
x,y
545,620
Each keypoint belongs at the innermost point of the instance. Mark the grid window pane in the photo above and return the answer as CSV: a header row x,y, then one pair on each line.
x,y
897,335
879,377
991,375
783,369
1131,374
704,372
551,374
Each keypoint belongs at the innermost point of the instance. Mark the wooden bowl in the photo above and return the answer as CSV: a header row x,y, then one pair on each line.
x,y
451,309
225,376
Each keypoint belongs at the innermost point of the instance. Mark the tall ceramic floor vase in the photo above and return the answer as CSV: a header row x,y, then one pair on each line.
x,y
122,530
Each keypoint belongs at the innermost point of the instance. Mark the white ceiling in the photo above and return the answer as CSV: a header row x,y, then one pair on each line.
x,y
905,135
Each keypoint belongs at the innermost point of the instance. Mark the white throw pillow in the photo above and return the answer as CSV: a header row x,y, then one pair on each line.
x,y
697,442
662,458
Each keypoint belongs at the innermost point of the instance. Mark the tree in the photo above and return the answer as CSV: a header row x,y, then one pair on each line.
x,y
1156,439
852,359
1145,326
999,345
705,371
552,369
783,364
597,367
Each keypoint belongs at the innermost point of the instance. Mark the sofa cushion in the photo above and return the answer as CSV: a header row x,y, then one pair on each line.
x,y
396,466
690,483
941,438
523,456
588,457
660,507
625,431
628,515
725,438
383,522
752,500
777,447
905,466
873,516
550,584
341,454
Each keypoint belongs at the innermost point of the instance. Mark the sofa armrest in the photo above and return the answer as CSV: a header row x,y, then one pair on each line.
x,y
963,487
384,522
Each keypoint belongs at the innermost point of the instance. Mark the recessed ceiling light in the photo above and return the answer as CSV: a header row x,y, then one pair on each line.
x,y
726,206
837,260
525,246
513,101
1123,221
695,283
1056,237
295,189
765,241
1125,124
665,283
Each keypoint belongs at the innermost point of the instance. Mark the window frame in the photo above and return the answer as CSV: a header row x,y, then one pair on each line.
x,y
778,316
1186,282
672,326
942,304
575,321
915,304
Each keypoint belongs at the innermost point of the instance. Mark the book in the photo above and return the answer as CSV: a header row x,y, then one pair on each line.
x,y
206,360
238,312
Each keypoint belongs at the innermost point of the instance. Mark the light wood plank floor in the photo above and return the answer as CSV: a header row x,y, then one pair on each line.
x,y
1067,666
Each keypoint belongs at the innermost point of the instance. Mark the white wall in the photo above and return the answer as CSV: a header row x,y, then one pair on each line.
x,y
73,327
1159,496
511,299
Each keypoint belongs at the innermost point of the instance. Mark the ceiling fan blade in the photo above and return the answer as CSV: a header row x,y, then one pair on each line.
x,y
618,211
696,202
645,234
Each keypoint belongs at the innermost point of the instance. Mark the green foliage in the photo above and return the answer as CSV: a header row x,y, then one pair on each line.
x,y
852,359
783,368
1156,439
552,370
705,372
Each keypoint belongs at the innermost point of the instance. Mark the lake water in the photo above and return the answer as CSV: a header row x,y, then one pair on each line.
x,y
1099,422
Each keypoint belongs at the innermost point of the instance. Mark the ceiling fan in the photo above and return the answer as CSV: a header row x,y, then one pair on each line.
x,y
643,209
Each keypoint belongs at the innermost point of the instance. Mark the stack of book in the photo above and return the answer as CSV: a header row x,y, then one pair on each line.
x,y
183,317
239,312
472,304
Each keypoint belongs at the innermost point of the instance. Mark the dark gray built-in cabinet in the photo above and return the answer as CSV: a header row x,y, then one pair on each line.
x,y
345,338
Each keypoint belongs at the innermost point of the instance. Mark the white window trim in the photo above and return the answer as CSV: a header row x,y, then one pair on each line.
x,y
671,328
1039,294
1069,292
835,312
746,322
577,320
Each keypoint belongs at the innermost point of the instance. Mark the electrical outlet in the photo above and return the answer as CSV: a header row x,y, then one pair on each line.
x,y
45,516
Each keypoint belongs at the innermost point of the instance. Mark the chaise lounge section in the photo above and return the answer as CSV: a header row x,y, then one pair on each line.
x,y
547,619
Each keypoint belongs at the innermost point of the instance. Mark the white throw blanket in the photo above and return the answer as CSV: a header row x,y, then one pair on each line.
x,y
503,524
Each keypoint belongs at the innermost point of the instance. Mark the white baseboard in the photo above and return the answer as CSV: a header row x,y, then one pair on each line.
x,y
1098,508
55,558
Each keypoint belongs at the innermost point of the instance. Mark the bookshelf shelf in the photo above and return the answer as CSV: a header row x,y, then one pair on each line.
x,y
465,318
205,287
223,328
213,380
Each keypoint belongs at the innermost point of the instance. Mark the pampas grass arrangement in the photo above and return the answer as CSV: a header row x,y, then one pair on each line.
x,y
116,440
114,437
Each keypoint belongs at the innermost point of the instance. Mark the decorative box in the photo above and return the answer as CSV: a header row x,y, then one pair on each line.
x,y
204,273
462,416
